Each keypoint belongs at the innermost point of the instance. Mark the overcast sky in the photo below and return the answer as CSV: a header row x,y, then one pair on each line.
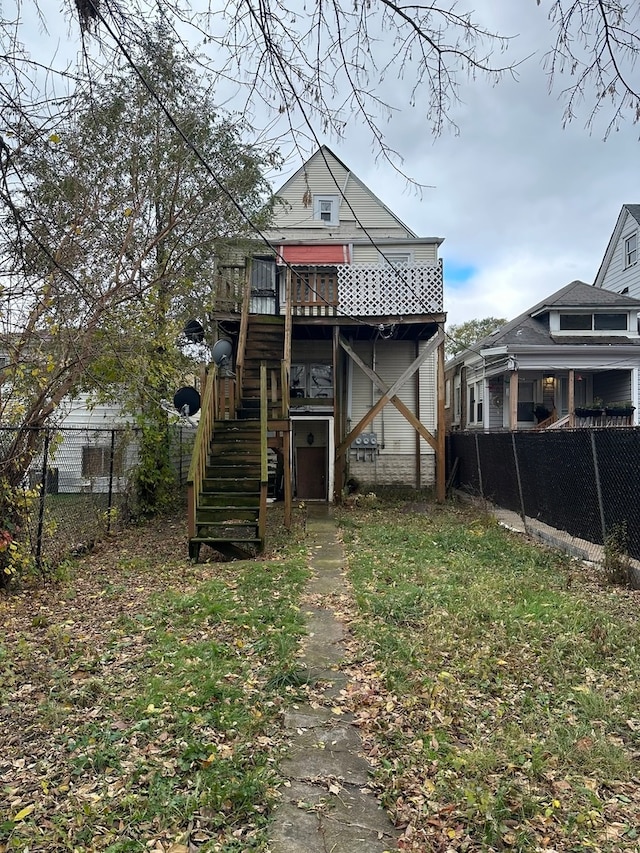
x,y
524,205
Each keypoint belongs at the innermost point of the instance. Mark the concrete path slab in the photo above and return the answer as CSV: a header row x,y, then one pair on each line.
x,y
326,805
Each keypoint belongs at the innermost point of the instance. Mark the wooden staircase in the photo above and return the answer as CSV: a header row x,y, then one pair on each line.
x,y
264,345
227,515
227,484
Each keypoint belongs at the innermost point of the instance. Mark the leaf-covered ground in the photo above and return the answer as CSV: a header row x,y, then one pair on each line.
x,y
139,698
496,686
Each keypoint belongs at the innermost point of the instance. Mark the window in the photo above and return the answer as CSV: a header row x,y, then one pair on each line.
x,y
475,402
313,381
96,461
447,394
614,322
593,322
526,404
395,259
457,399
325,209
631,250
576,322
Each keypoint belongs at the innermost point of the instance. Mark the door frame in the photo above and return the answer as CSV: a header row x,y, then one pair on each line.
x,y
300,425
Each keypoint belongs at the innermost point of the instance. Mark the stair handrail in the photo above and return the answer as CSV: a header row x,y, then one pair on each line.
x,y
242,336
201,445
264,465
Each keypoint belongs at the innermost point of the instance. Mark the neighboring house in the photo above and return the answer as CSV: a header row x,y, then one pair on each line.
x,y
351,302
93,452
89,448
619,270
571,360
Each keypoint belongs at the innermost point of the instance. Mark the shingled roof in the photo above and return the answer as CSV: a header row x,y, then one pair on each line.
x,y
532,327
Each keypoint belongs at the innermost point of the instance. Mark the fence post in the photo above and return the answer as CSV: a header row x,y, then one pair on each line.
x,y
519,479
110,497
479,467
596,471
43,491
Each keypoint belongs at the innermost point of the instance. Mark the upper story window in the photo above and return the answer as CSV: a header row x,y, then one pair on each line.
x,y
631,250
325,209
396,259
593,322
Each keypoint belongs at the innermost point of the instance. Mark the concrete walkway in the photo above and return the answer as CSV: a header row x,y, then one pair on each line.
x,y
325,805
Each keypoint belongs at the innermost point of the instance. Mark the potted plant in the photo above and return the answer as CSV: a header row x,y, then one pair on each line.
x,y
620,410
541,412
591,410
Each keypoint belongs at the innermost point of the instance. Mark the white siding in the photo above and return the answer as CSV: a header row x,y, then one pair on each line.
x,y
102,416
423,253
395,461
296,215
616,277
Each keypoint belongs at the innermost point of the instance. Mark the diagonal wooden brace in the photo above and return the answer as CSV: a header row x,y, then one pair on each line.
x,y
389,394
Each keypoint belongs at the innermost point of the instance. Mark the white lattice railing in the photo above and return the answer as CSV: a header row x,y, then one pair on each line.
x,y
369,290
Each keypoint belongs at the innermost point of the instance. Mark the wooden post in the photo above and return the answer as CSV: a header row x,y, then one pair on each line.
x,y
441,479
338,459
286,452
264,471
242,337
513,400
571,402
417,434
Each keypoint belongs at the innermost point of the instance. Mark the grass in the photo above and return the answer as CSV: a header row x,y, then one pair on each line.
x,y
153,694
507,710
496,686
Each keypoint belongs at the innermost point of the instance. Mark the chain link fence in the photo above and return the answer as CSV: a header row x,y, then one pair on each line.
x,y
580,488
80,486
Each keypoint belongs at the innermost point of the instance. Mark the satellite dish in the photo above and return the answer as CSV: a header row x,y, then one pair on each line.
x,y
187,401
194,332
221,353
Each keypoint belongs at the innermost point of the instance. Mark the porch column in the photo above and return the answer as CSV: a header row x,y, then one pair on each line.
x,y
571,402
513,400
441,487
339,460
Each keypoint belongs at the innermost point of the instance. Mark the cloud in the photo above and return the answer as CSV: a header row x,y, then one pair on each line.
x,y
525,204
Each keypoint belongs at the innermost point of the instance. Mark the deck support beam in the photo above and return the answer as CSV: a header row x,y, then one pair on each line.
x,y
388,395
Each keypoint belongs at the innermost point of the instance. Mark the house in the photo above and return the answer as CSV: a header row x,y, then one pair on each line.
x,y
619,270
571,360
345,309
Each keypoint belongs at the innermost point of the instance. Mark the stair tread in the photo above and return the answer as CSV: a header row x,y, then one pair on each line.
x,y
205,540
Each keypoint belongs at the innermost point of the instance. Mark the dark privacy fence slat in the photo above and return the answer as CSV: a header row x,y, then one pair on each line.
x,y
583,482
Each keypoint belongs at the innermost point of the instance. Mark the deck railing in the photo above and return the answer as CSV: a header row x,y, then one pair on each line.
x,y
358,290
217,402
368,290
264,466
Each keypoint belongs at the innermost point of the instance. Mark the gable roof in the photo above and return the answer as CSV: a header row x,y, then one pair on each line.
x,y
634,211
528,329
324,153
